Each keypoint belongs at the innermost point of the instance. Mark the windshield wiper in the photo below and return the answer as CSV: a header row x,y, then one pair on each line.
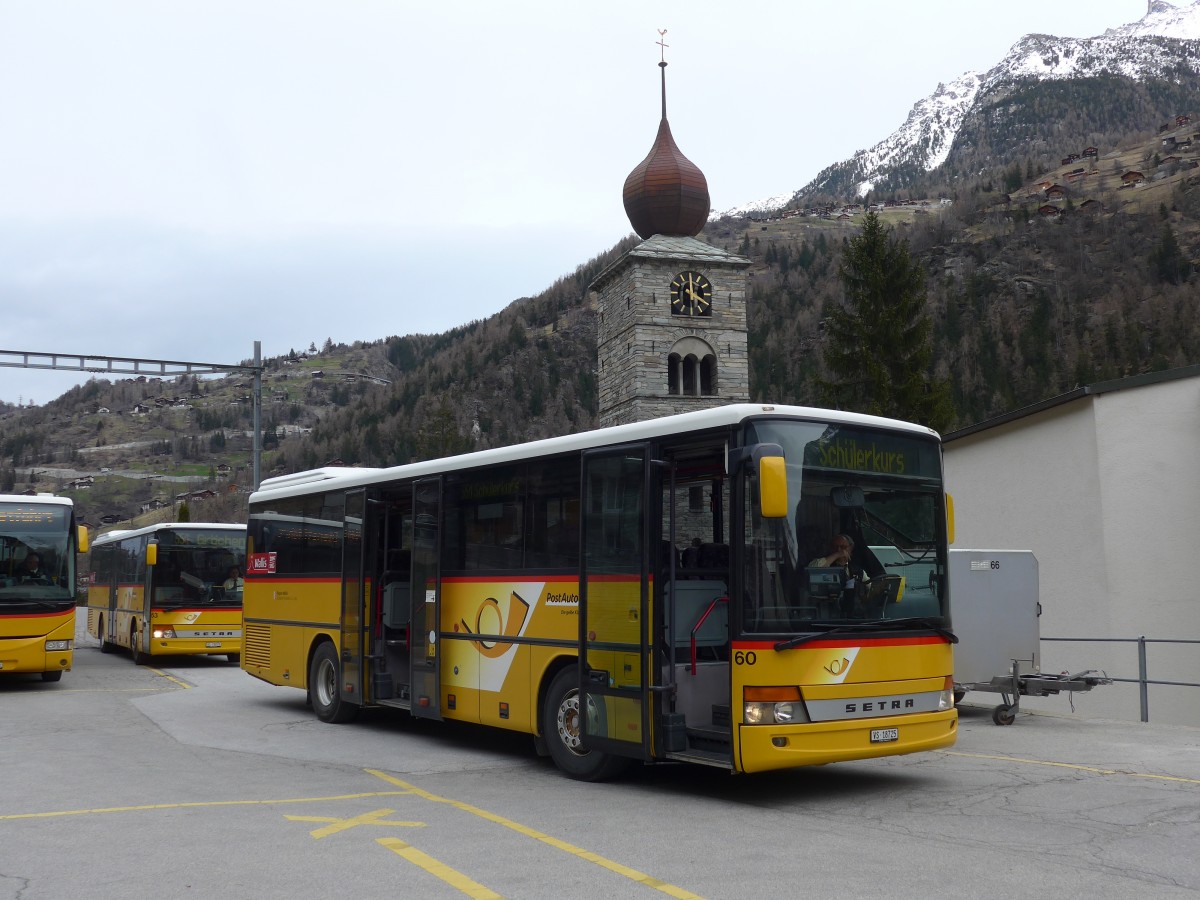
x,y
31,601
836,629
877,625
930,624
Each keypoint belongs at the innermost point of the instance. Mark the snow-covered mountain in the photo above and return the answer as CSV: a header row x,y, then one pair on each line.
x,y
1157,46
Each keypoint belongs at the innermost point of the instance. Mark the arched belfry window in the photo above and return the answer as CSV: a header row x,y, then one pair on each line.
x,y
692,369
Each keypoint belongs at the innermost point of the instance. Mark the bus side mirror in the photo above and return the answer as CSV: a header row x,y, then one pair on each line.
x,y
152,554
949,518
81,539
772,487
772,476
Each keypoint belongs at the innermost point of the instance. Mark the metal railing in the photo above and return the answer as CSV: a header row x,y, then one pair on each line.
x,y
1143,681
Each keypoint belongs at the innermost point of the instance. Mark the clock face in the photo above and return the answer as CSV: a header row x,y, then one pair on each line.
x,y
691,295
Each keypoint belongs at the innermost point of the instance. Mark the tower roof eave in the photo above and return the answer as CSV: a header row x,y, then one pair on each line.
x,y
686,250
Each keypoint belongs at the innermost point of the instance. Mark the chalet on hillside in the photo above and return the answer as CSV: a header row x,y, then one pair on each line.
x,y
1091,152
1131,178
1069,158
1049,211
1182,120
1056,192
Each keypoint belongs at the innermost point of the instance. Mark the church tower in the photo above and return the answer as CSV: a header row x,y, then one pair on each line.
x,y
672,330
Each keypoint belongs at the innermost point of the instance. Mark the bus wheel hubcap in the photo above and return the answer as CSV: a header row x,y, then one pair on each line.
x,y
568,722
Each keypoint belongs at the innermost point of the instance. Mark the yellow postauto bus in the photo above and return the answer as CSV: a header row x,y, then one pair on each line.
x,y
169,589
641,592
38,541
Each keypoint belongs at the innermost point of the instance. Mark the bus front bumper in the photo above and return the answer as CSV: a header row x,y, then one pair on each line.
x,y
768,747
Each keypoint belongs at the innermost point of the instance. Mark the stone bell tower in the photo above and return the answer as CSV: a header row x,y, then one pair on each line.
x,y
672,333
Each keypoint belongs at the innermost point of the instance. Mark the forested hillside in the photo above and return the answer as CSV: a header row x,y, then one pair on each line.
x,y
1027,303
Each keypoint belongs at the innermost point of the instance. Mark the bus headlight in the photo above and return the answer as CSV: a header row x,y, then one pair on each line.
x,y
772,705
165,631
946,698
785,712
57,645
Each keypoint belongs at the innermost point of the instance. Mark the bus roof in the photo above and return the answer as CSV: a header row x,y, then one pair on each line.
x,y
43,499
110,536
300,483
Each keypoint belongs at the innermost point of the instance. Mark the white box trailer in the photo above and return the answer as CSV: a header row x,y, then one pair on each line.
x,y
995,610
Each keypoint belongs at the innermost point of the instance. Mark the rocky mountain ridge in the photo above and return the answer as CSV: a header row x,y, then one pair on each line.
x,y
1163,45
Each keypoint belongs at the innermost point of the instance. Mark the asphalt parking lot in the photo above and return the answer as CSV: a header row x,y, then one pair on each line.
x,y
191,778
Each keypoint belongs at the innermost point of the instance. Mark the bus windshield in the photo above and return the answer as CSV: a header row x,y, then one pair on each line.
x,y
199,567
863,540
37,559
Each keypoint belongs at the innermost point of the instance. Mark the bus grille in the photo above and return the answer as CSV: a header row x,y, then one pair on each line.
x,y
256,646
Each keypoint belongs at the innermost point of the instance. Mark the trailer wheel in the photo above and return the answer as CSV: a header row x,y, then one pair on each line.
x,y
324,676
1003,715
562,729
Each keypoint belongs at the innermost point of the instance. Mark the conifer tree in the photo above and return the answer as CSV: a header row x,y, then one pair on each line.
x,y
879,349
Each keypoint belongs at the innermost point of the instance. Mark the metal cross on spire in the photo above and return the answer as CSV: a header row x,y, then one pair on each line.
x,y
662,67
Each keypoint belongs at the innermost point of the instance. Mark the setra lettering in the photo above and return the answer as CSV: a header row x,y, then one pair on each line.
x,y
895,704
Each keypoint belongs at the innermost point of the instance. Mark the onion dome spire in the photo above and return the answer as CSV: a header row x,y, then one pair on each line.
x,y
666,193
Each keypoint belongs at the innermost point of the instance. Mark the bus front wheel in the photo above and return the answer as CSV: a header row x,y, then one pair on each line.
x,y
53,675
324,675
140,657
562,730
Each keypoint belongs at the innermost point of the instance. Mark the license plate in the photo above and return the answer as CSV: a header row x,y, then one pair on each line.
x,y
218,644
884,735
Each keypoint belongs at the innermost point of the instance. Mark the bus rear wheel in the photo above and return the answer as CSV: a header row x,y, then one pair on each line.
x,y
105,645
324,677
562,730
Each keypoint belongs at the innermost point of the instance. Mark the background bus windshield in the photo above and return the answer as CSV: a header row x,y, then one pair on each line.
x,y
863,538
199,568
29,533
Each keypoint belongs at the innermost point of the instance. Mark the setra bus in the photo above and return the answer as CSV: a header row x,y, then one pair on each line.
x,y
38,542
638,592
169,589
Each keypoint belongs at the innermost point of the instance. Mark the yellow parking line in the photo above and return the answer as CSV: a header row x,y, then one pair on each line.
x,y
440,870
152,806
625,871
333,824
182,684
1081,768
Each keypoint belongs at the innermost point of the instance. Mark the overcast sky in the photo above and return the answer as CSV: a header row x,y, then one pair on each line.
x,y
179,179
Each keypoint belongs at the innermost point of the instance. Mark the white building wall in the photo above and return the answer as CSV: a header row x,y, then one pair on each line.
x,y
1103,490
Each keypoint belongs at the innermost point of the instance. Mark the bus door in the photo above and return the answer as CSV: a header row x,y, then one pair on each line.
x,y
614,602
109,569
354,607
425,682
